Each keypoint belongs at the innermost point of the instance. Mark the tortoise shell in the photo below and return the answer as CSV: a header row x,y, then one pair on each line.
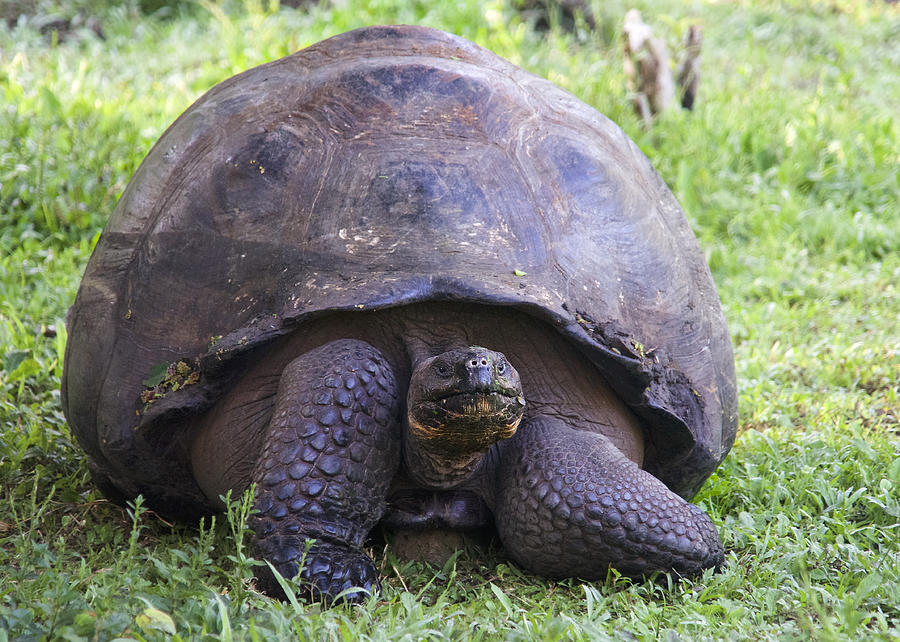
x,y
383,167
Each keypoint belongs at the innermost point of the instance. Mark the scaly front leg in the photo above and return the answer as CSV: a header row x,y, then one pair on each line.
x,y
570,504
331,451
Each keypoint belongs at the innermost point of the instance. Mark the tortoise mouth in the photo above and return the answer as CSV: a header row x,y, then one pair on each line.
x,y
468,420
478,403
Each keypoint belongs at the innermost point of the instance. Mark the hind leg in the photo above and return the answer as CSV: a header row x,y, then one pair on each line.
x,y
570,504
330,452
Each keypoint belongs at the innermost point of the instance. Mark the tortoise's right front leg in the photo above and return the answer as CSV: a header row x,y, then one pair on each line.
x,y
329,455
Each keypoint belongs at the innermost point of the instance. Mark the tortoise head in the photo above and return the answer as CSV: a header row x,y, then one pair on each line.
x,y
464,400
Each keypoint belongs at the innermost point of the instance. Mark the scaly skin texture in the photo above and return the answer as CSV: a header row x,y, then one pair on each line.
x,y
569,504
566,502
330,453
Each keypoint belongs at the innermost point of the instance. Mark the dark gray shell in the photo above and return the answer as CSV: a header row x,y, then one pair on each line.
x,y
386,166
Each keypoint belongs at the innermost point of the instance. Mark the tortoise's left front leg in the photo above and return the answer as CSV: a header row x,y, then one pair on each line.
x,y
568,503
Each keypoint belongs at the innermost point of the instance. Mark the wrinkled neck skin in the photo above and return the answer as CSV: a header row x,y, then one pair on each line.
x,y
428,466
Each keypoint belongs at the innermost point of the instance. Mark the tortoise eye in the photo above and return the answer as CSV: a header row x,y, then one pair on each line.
x,y
501,367
441,369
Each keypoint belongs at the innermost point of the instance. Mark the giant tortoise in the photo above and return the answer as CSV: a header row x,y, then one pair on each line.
x,y
394,278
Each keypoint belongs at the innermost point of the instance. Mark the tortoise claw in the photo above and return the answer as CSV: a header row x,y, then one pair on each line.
x,y
326,571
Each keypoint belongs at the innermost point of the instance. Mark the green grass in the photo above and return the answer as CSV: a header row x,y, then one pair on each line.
x,y
789,171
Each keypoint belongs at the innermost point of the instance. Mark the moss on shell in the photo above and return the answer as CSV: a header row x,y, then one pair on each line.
x,y
169,377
